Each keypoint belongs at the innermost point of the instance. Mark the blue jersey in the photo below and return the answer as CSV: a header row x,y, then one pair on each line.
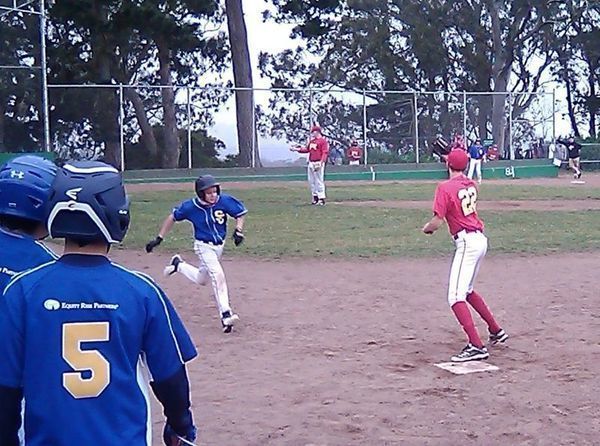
x,y
80,335
476,152
20,253
210,221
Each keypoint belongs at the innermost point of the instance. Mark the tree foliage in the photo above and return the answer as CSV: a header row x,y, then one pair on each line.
x,y
152,42
413,45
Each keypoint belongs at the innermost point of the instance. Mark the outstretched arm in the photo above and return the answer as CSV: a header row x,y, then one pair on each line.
x,y
433,225
164,230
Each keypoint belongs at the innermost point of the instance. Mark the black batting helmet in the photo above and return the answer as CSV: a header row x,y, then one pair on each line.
x,y
206,182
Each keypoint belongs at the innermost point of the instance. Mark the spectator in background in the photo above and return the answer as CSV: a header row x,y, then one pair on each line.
x,y
336,157
354,153
574,151
459,142
476,155
492,153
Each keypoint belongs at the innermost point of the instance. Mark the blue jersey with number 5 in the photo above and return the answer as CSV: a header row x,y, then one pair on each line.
x,y
210,221
80,335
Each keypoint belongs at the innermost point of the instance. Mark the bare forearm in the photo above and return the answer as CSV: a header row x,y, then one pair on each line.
x,y
432,225
166,226
239,223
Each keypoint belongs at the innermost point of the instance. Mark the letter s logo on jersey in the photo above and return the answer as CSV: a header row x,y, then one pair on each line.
x,y
51,304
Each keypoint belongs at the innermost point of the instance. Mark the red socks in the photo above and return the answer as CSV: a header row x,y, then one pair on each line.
x,y
479,305
462,313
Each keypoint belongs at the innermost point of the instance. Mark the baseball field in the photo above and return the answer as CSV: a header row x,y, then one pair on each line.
x,y
344,314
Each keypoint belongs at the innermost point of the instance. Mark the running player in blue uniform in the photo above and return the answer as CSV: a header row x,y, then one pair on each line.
x,y
208,213
81,335
25,186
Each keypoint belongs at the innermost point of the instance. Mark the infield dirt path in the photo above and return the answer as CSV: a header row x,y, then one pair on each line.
x,y
332,352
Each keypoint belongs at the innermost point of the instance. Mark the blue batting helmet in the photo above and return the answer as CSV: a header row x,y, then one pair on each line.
x,y
206,182
89,203
25,186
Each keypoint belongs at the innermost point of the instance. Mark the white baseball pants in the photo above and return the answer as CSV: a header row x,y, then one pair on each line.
x,y
316,180
471,248
210,270
475,168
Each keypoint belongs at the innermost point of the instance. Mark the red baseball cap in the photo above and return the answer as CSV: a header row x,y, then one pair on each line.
x,y
315,128
457,159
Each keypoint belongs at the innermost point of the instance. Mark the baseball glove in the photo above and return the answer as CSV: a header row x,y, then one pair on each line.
x,y
441,147
153,243
238,237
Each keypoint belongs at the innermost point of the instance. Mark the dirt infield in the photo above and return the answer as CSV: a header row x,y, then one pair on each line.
x,y
342,352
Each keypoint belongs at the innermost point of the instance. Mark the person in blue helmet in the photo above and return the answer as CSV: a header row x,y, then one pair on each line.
x,y
81,336
25,186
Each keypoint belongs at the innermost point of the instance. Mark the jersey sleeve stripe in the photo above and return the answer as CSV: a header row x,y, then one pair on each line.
x,y
244,212
48,250
25,273
158,293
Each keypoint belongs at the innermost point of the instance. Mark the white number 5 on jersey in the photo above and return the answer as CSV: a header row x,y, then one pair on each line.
x,y
468,200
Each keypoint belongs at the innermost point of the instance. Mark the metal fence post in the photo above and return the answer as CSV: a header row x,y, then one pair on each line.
x,y
364,126
310,108
121,130
189,127
416,115
554,116
45,106
510,126
253,163
465,116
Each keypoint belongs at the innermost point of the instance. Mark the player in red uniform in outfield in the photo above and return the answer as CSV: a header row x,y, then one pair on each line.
x,y
456,202
317,149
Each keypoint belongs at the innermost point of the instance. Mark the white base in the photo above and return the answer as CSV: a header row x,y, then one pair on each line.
x,y
577,182
463,368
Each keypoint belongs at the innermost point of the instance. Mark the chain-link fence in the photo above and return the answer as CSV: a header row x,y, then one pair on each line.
x,y
146,127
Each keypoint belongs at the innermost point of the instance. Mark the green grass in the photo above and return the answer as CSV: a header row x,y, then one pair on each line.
x,y
281,224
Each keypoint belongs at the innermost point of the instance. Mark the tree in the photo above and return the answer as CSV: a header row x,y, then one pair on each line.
x,y
475,45
242,74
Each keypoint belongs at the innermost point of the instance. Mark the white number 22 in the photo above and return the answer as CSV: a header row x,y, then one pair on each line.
x,y
468,200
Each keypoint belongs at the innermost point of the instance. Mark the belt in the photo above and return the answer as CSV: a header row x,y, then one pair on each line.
x,y
466,231
209,243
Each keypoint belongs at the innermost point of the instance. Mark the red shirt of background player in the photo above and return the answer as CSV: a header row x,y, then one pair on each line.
x,y
317,148
456,201
354,152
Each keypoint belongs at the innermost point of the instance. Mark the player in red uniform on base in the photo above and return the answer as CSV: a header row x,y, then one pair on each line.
x,y
456,202
317,149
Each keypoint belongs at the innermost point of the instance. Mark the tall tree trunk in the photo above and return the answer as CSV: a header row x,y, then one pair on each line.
x,y
171,141
571,106
148,136
501,67
593,103
242,75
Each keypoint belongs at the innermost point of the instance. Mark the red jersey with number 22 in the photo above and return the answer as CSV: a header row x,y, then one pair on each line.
x,y
456,202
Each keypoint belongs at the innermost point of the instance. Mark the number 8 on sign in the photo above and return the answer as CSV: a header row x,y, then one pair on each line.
x,y
468,200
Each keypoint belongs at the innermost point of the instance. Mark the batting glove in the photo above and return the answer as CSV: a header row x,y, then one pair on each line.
x,y
238,237
172,438
153,243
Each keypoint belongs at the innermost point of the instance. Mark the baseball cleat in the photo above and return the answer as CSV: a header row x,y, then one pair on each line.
x,y
228,319
315,199
495,338
471,353
321,202
172,267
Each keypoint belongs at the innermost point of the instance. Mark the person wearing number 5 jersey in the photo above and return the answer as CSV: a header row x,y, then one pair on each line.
x,y
208,213
82,336
456,202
